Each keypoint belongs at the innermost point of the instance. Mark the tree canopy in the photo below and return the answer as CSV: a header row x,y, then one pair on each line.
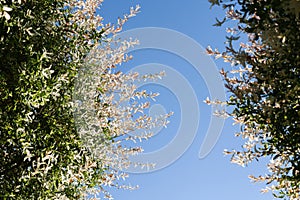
x,y
264,84
48,49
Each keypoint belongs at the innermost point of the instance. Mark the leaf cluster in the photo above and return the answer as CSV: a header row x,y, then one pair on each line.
x,y
265,87
41,156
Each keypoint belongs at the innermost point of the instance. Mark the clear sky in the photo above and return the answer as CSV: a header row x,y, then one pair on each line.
x,y
213,177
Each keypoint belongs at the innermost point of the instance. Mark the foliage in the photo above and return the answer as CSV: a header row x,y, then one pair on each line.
x,y
108,101
44,153
265,87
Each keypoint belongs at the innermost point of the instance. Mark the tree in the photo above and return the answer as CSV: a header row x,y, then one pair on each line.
x,y
45,151
265,87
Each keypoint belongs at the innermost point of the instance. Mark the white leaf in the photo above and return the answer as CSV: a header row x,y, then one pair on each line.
x,y
8,9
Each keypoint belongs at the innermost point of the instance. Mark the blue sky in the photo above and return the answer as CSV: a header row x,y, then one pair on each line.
x,y
212,177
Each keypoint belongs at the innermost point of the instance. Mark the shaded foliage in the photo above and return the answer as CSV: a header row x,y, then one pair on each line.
x,y
265,87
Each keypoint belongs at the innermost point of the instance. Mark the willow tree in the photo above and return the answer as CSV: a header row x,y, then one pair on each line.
x,y
264,84
45,150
